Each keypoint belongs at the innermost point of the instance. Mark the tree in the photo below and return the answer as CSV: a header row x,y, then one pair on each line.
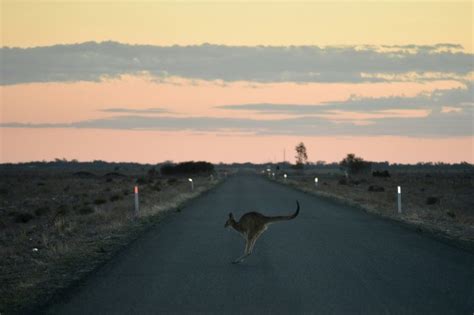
x,y
353,164
301,155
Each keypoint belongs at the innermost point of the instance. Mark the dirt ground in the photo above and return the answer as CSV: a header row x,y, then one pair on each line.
x,y
442,201
55,226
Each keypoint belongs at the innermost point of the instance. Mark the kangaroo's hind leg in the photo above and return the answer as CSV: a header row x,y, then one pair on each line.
x,y
254,240
246,252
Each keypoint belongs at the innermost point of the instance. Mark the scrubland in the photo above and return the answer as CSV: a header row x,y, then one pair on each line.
x,y
439,201
57,225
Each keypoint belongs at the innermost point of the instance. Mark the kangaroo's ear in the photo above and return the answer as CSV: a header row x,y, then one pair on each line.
x,y
231,215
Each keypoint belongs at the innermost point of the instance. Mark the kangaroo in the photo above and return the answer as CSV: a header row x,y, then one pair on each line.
x,y
251,225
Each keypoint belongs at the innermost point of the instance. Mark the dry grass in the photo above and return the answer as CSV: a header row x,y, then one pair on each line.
x,y
74,223
440,201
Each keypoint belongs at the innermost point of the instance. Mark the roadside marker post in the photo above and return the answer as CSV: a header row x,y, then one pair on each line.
x,y
137,206
316,181
192,183
285,176
399,193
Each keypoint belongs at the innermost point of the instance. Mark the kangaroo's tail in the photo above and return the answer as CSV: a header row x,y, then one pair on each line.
x,y
287,217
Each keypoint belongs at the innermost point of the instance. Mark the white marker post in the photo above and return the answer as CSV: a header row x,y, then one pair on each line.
x,y
399,190
273,175
137,206
192,183
285,176
316,181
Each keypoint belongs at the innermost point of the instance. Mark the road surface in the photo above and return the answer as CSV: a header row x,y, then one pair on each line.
x,y
332,259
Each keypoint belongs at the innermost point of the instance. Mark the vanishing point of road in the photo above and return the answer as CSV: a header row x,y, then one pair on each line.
x,y
331,259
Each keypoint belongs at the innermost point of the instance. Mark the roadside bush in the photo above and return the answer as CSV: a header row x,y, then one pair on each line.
x,y
187,168
172,181
451,214
432,200
86,210
143,180
3,191
62,210
342,181
99,201
42,210
376,188
355,165
115,197
23,217
381,174
157,186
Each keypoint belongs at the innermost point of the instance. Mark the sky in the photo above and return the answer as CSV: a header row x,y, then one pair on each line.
x,y
236,81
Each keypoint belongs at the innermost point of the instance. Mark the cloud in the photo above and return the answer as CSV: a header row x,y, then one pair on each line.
x,y
437,124
93,61
156,110
457,98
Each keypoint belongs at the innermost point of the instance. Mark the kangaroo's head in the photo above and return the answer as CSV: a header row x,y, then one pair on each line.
x,y
230,220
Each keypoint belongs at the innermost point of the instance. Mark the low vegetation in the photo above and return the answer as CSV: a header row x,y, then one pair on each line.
x,y
435,197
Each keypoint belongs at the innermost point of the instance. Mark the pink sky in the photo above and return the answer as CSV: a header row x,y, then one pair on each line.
x,y
22,145
72,102
68,102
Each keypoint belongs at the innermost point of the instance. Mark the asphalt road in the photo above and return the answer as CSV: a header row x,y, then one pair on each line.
x,y
331,259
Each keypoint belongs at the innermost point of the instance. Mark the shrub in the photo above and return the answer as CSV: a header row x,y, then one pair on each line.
x,y
142,180
187,168
115,197
99,201
86,210
3,191
62,210
354,165
375,188
432,200
172,181
23,217
381,174
342,181
451,214
41,210
157,186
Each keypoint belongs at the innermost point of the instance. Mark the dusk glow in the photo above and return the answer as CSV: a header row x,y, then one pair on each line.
x,y
132,96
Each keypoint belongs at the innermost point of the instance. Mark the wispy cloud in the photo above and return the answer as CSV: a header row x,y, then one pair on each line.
x,y
436,124
93,61
460,98
156,110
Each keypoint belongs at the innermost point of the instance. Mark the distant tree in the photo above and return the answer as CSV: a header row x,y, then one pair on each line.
x,y
353,164
301,155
